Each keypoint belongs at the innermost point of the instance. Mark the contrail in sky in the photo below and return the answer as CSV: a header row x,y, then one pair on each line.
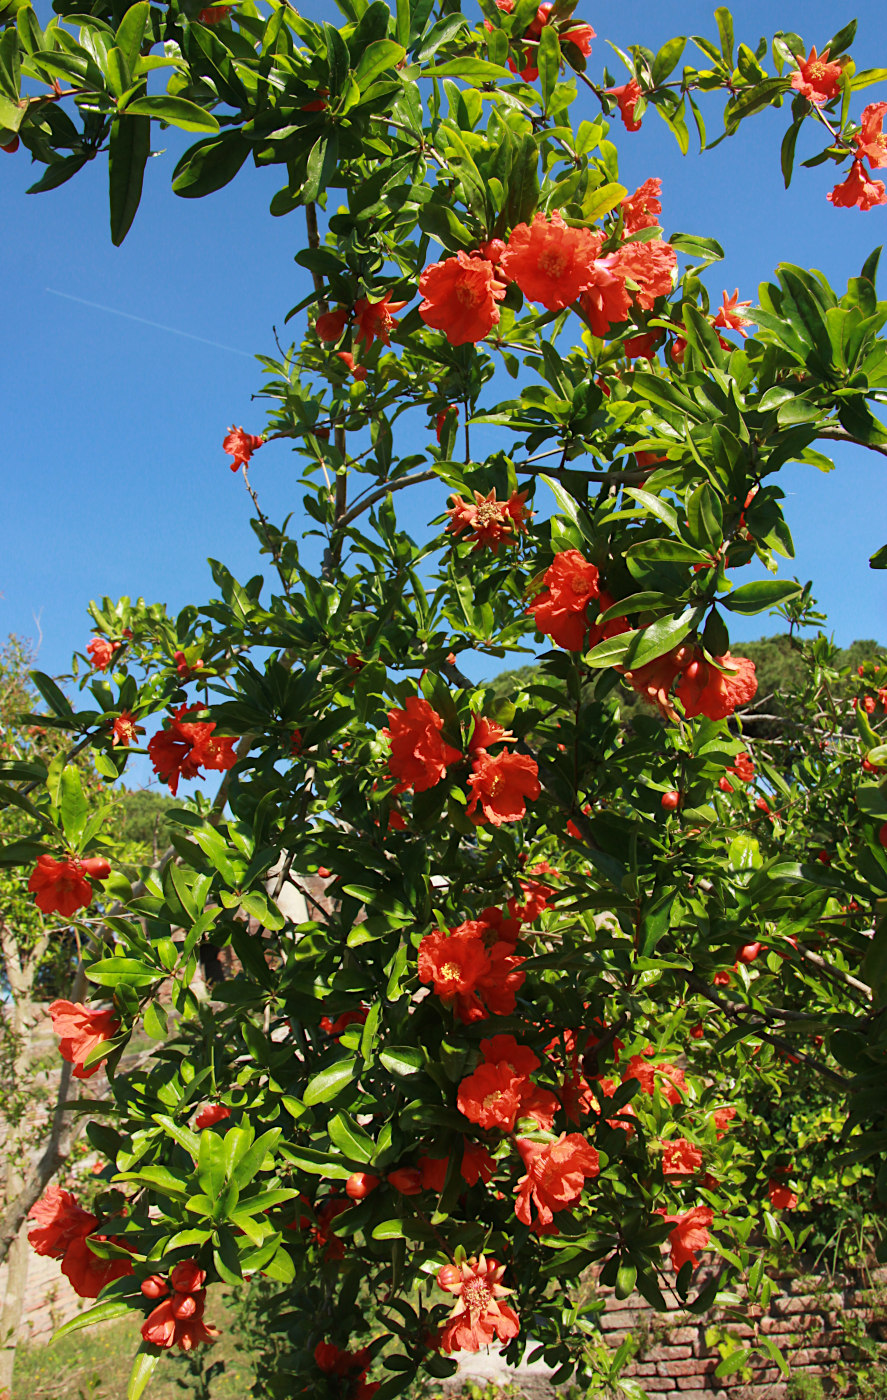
x,y
112,311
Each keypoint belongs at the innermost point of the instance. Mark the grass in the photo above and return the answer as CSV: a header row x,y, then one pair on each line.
x,y
94,1365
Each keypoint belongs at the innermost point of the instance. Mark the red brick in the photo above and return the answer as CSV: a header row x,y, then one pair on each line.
x,y
666,1352
695,1383
697,1366
659,1385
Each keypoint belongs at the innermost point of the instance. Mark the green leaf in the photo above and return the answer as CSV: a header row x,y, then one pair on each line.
x,y
655,640
73,807
375,59
879,559
107,972
470,70
329,1083
176,111
131,31
10,71
600,200
210,165
322,160
548,61
667,59
57,702
350,1138
129,149
211,1163
764,593
102,1312
787,151
143,1368
308,1159
725,29
180,1134
402,1060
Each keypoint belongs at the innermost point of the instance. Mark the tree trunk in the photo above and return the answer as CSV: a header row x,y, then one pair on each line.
x,y
13,1307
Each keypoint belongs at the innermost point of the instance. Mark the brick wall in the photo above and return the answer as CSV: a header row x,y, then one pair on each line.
x,y
812,1325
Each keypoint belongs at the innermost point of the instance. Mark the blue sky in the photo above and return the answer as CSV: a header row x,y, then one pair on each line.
x,y
115,481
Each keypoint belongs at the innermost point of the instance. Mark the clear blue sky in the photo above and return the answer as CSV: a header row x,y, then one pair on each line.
x,y
115,481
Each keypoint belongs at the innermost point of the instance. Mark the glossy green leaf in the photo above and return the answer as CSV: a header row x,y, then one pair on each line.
x,y
177,111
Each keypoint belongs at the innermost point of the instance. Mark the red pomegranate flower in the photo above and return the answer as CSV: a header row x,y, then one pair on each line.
x,y
654,680
501,784
477,1164
492,1096
556,1173
61,887
730,315
240,446
743,767
705,689
59,1220
872,140
550,261
690,1233
642,209
124,730
419,755
627,97
373,320
817,79
665,1077
858,190
680,1157
80,1031
649,266
454,963
101,652
186,746
560,611
782,1197
178,1319
478,1318
460,296
86,1272
489,520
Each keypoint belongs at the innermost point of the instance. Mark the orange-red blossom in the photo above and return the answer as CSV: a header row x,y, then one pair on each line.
x,y
479,1316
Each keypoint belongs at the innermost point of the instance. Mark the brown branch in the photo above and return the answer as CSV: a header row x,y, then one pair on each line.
x,y
839,435
364,503
734,1011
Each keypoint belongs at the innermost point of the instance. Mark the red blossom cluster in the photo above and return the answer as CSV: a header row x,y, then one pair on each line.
x,y
555,1175
743,769
348,1366
664,1078
500,1091
476,980
210,1114
554,264
871,145
714,688
560,610
499,784
63,1230
178,1318
689,1235
81,1030
568,30
61,886
490,521
186,746
479,1318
